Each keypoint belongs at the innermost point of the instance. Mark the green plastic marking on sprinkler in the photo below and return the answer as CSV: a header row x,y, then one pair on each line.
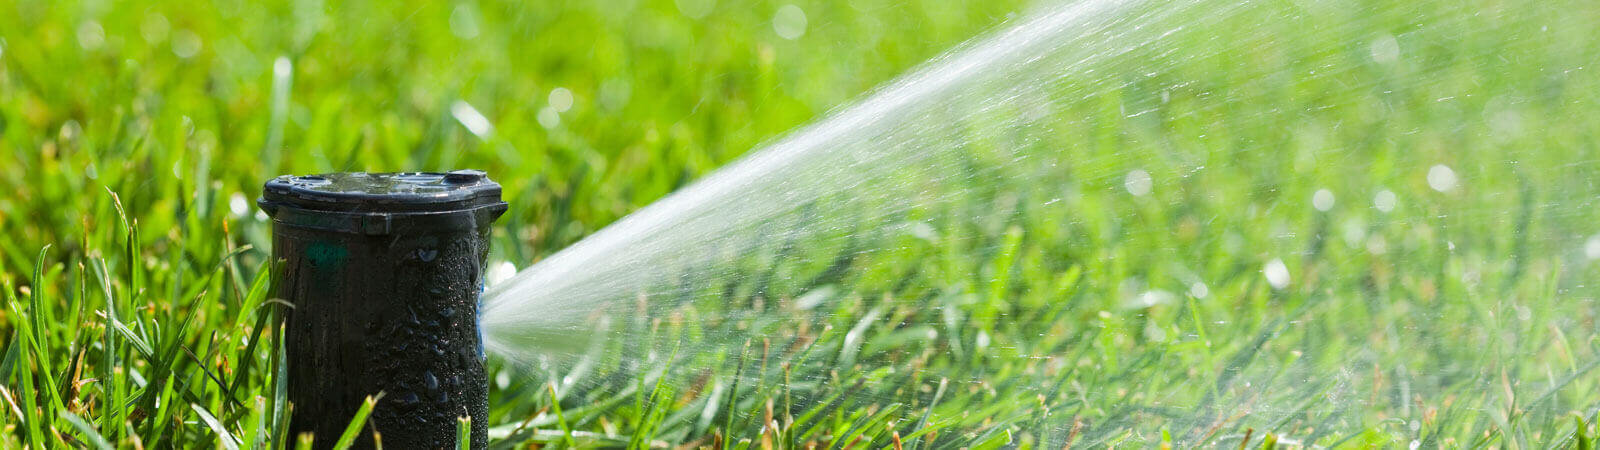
x,y
326,255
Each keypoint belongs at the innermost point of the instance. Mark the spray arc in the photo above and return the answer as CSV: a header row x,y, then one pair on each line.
x,y
383,272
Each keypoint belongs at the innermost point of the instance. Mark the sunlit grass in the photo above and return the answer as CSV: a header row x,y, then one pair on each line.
x,y
1452,310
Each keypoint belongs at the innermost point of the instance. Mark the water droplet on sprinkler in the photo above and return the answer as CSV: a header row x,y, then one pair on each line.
x,y
1322,200
1277,274
1441,178
429,381
1137,182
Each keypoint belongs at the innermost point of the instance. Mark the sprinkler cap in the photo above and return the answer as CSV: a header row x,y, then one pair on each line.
x,y
381,203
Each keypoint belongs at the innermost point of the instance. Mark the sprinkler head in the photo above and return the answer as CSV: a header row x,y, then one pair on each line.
x,y
383,272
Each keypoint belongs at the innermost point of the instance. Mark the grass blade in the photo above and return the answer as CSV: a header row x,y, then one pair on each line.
x,y
93,437
228,441
353,430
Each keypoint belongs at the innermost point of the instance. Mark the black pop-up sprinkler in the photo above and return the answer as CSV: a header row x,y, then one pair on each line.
x,y
383,272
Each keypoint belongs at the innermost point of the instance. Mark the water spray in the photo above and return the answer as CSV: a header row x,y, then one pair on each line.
x,y
383,272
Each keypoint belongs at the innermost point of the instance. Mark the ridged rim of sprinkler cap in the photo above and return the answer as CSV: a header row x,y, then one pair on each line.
x,y
382,192
381,203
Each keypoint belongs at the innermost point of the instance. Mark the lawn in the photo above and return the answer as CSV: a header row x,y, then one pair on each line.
x,y
1239,224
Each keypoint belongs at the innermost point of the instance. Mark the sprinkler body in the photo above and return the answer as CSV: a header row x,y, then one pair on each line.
x,y
383,272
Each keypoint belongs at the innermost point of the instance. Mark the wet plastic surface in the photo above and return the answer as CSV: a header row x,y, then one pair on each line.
x,y
391,308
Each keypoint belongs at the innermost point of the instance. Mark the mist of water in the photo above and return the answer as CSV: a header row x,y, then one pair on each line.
x,y
1144,166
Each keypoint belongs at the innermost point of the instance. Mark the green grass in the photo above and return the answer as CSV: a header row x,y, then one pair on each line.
x,y
136,309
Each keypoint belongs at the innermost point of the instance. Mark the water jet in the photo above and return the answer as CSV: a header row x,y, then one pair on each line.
x,y
383,272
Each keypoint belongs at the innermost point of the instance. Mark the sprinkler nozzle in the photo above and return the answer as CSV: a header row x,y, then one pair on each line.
x,y
383,273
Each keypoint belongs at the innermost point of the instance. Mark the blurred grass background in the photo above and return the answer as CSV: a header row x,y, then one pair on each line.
x,y
148,99
135,137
